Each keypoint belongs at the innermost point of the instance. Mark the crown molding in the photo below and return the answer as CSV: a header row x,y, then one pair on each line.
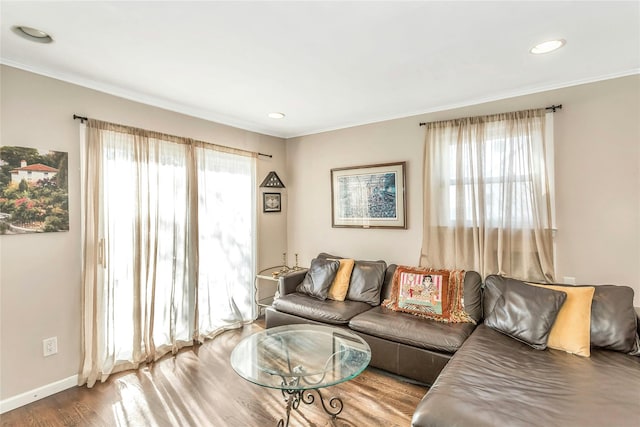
x,y
253,127
145,99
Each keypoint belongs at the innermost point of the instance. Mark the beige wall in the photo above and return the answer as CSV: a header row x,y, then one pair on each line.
x,y
597,188
40,274
597,165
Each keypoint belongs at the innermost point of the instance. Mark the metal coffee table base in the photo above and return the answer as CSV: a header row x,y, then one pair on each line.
x,y
294,397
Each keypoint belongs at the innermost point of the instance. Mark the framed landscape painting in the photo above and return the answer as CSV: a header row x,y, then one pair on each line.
x,y
34,195
371,196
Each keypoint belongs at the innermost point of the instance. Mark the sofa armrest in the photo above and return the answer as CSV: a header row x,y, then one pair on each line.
x,y
288,283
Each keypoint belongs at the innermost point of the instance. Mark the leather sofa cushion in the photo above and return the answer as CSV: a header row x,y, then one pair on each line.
x,y
319,278
412,330
387,285
366,281
326,311
326,255
613,319
571,330
473,295
521,311
614,322
496,381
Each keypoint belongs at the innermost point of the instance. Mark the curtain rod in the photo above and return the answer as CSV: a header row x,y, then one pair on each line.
x,y
83,119
553,109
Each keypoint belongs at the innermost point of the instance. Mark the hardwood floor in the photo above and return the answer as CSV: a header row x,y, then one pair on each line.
x,y
198,387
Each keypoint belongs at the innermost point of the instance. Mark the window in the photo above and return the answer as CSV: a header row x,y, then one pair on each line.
x,y
488,195
492,162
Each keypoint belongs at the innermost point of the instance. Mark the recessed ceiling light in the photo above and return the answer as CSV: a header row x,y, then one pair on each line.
x,y
548,46
276,115
32,34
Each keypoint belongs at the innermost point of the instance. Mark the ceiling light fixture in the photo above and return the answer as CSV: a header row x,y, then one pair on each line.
x,y
32,34
276,115
548,46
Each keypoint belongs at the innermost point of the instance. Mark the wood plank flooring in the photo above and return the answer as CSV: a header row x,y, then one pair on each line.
x,y
198,387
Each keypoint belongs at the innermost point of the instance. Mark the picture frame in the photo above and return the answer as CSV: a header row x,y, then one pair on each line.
x,y
271,202
370,196
34,190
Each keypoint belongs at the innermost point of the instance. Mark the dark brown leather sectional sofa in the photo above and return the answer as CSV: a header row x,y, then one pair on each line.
x,y
400,343
482,377
496,380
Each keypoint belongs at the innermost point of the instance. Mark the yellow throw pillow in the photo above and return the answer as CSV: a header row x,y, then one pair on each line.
x,y
340,285
571,331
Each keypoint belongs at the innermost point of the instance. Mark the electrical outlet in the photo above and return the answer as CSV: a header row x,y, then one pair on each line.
x,y
50,346
569,280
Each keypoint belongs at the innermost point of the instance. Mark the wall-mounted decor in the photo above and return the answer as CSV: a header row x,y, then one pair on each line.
x,y
34,196
272,180
371,196
271,202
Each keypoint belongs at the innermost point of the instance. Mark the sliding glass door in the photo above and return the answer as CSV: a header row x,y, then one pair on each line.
x,y
169,245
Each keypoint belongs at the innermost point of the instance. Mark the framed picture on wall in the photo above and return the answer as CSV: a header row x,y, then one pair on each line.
x,y
371,196
271,202
34,195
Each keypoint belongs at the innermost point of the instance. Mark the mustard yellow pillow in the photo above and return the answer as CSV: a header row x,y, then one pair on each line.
x,y
571,331
340,285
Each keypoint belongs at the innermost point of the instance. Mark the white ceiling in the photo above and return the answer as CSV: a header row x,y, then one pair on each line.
x,y
326,65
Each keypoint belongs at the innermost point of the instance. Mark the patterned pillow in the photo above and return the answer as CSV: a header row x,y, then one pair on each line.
x,y
430,293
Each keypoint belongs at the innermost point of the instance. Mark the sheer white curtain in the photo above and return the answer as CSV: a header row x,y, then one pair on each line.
x,y
488,202
226,239
168,244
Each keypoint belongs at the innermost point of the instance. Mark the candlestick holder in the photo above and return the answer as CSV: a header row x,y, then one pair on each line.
x,y
284,268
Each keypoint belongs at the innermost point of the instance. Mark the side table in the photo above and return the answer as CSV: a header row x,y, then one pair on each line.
x,y
266,279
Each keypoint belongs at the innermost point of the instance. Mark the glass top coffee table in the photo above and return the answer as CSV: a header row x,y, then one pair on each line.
x,y
299,360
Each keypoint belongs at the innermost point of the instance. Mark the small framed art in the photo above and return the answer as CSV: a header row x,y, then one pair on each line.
x,y
271,202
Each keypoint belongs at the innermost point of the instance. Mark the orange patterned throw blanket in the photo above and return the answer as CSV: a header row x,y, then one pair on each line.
x,y
430,293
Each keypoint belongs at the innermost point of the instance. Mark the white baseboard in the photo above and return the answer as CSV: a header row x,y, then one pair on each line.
x,y
37,394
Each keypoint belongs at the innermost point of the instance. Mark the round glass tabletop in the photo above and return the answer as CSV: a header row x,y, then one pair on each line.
x,y
300,357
